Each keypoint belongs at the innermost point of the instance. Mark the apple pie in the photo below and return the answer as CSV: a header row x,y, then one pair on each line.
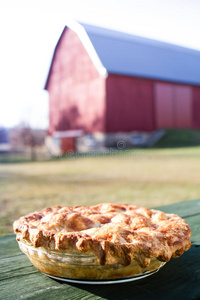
x,y
105,241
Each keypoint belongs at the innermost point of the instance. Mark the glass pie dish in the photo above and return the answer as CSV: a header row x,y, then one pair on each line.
x,y
82,268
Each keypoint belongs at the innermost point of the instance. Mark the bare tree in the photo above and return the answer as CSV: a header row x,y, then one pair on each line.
x,y
23,137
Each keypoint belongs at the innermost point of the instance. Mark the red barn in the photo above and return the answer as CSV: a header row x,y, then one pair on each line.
x,y
106,81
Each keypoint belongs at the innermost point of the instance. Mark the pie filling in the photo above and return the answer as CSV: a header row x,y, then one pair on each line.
x,y
105,241
82,267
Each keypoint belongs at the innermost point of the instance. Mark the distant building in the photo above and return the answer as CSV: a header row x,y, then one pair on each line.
x,y
106,81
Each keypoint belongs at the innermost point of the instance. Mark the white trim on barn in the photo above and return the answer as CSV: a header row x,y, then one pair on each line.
x,y
68,133
82,34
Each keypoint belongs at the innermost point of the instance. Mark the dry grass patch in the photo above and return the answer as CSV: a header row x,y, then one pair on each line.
x,y
147,178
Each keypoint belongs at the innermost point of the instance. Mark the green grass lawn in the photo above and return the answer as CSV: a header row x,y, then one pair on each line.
x,y
141,177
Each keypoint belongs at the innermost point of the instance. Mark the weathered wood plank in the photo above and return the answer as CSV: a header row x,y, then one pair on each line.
x,y
194,223
36,286
183,209
15,266
8,246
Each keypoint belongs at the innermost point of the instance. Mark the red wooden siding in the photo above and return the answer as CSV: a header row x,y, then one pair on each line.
x,y
129,104
76,91
196,107
173,105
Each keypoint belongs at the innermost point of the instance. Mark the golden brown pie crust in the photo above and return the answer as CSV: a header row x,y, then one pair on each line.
x,y
114,233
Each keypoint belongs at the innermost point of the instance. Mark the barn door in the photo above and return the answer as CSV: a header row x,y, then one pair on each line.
x,y
164,105
173,106
183,108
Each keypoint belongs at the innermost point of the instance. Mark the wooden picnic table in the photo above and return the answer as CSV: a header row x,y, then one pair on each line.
x,y
178,279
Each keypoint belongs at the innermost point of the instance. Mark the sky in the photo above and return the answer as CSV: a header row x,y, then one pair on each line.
x,y
29,31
